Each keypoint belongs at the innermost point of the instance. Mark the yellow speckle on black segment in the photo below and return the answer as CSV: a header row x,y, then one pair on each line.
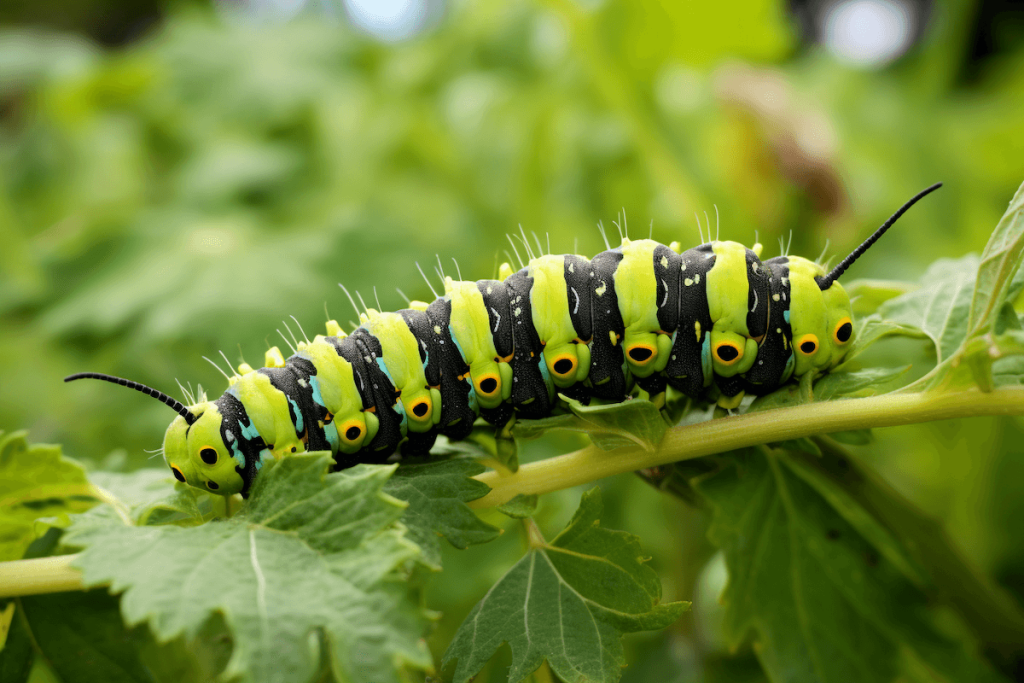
x,y
602,289
688,282
696,328
615,340
664,262
683,267
437,329
775,297
696,279
572,267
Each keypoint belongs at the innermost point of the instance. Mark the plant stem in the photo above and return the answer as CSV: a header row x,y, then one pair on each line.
x,y
41,575
726,434
54,574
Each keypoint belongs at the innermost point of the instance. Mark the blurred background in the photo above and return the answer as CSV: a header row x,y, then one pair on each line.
x,y
178,177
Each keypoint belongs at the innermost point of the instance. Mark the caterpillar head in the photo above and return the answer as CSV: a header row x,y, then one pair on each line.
x,y
198,455
821,320
194,445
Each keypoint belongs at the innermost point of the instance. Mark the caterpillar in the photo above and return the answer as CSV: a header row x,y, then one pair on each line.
x,y
640,315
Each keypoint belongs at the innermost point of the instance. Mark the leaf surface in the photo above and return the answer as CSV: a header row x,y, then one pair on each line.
x,y
940,308
822,601
35,481
997,281
610,426
568,601
437,494
312,553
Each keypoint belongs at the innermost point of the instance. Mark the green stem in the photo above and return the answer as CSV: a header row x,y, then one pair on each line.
x,y
41,575
49,575
717,436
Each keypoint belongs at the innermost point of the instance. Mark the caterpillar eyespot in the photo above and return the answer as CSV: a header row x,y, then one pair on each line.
x,y
641,354
844,331
351,432
807,344
564,365
425,352
488,385
728,352
421,409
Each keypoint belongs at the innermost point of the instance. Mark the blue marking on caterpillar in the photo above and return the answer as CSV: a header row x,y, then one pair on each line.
x,y
317,397
249,433
705,359
298,416
235,453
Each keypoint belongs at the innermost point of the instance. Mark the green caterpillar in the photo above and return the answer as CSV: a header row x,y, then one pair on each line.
x,y
641,315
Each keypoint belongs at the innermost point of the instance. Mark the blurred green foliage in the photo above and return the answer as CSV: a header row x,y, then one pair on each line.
x,y
184,194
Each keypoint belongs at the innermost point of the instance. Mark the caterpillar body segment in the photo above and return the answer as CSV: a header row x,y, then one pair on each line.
x,y
640,315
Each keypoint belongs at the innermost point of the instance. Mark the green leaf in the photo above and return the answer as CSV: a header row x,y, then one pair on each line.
x,y
437,494
336,531
81,637
496,442
940,308
867,295
822,602
875,328
996,284
520,507
829,387
568,601
16,655
855,437
610,426
36,481
201,658
152,496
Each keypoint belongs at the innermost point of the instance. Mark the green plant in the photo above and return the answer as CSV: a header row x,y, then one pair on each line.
x,y
321,576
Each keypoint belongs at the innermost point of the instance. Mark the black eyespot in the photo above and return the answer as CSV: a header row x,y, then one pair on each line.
x,y
488,385
420,409
208,455
727,352
640,353
178,475
844,332
293,449
352,433
213,485
563,366
808,347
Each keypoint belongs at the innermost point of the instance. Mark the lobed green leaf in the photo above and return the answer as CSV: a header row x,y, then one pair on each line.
x,y
36,482
826,592
437,494
313,553
568,601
